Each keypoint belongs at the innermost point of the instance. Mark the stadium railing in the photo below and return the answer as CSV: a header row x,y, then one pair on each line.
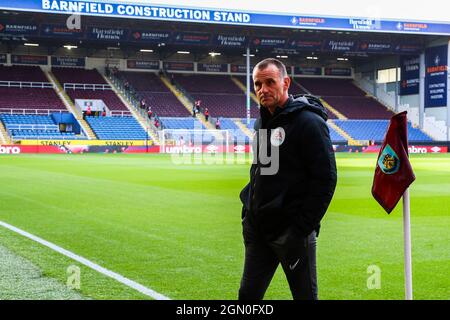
x,y
31,111
26,84
85,86
133,99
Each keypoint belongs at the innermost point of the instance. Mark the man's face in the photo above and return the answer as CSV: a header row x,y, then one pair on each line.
x,y
270,88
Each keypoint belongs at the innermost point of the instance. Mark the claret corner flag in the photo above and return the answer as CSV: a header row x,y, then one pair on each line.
x,y
393,173
393,176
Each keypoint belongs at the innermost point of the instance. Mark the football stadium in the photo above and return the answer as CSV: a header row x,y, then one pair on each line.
x,y
127,133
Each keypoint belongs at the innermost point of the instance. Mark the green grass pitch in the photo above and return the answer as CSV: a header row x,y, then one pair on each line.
x,y
176,228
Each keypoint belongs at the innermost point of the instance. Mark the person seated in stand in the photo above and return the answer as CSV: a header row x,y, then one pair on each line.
x,y
218,124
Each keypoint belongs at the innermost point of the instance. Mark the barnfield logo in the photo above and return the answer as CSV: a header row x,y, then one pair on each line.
x,y
136,35
277,137
389,162
437,60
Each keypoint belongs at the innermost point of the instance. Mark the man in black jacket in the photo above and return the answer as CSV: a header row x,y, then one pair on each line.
x,y
292,181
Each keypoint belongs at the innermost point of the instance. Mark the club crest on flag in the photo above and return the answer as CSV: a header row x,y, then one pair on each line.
x,y
389,162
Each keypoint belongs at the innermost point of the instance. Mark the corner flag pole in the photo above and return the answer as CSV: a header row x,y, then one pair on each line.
x,y
407,244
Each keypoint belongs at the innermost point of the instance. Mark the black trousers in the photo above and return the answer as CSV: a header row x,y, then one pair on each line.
x,y
261,262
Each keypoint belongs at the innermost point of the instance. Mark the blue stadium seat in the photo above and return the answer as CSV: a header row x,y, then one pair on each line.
x,y
117,128
34,127
376,129
181,123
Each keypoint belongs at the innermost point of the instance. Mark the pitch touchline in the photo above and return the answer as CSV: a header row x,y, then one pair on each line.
x,y
130,283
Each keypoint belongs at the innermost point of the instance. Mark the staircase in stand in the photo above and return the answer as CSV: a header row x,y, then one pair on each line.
x,y
70,106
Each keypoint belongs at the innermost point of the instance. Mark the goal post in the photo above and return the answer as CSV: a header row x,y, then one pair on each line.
x,y
194,140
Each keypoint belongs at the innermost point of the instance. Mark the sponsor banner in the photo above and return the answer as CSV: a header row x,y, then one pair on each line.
x,y
178,66
285,52
29,59
111,149
190,38
309,45
269,42
340,45
150,36
107,34
197,149
436,76
86,142
68,62
343,72
140,64
18,149
238,149
211,67
77,149
18,29
376,149
61,31
409,75
375,46
308,71
225,40
3,58
417,27
427,149
142,149
408,48
230,14
313,22
240,68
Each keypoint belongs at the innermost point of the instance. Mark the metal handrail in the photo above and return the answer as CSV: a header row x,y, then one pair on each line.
x,y
86,86
31,111
26,84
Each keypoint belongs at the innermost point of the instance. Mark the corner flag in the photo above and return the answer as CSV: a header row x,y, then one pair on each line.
x,y
393,173
393,176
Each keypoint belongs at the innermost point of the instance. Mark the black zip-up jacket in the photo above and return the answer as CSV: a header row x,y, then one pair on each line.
x,y
289,205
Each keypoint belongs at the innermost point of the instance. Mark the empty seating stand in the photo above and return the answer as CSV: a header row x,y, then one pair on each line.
x,y
359,107
68,76
29,100
181,123
117,128
34,127
26,90
234,131
346,98
376,129
22,73
191,130
218,93
150,87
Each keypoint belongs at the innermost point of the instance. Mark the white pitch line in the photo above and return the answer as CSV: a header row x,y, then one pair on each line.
x,y
130,283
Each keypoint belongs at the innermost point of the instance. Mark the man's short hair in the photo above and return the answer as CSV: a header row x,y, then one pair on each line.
x,y
272,61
